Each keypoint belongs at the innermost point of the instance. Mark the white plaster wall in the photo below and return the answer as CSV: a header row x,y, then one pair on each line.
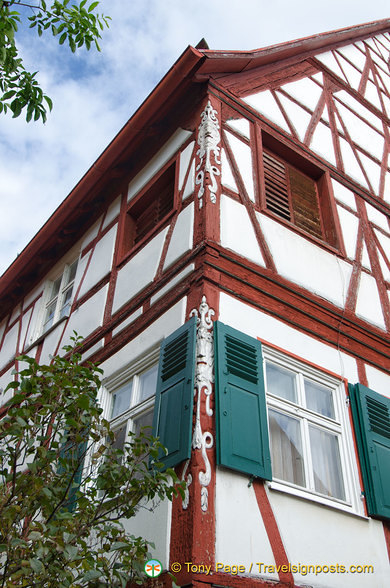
x,y
241,125
8,349
349,225
185,158
101,261
378,380
182,236
377,217
156,332
356,106
342,194
186,271
2,328
130,319
139,271
306,264
87,317
322,143
153,526
90,234
227,177
368,305
315,534
157,162
15,314
259,324
305,91
300,116
241,538
237,232
190,185
265,103
112,211
33,295
243,156
50,343
5,379
34,323
25,323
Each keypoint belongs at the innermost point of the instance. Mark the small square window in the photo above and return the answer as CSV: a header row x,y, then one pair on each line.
x,y
149,210
297,192
59,295
291,195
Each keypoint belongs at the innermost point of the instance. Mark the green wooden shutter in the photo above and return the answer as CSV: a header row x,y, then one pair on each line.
x,y
241,410
371,417
172,421
73,455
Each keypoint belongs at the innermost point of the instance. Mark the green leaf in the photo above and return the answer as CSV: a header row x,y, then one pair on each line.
x,y
37,566
49,102
91,575
93,6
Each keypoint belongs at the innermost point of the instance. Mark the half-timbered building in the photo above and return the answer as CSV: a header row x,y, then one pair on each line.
x,y
227,260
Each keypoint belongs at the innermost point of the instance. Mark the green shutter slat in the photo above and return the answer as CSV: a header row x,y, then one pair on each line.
x,y
172,421
371,417
241,410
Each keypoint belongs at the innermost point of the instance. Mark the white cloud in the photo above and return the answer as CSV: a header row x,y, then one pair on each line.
x,y
94,94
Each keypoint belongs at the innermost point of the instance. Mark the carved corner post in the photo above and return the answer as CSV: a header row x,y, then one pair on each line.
x,y
193,518
208,171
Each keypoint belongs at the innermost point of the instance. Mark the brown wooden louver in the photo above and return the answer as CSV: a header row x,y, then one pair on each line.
x,y
291,195
155,205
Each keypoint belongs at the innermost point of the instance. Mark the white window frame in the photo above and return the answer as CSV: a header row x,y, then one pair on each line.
x,y
136,409
59,298
340,426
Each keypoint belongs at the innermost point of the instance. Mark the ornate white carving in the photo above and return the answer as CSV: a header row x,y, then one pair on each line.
x,y
208,140
204,378
188,482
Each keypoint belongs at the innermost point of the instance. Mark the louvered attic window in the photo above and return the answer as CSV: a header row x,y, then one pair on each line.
x,y
292,195
150,209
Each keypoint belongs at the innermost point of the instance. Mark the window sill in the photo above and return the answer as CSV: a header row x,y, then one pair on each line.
x,y
303,494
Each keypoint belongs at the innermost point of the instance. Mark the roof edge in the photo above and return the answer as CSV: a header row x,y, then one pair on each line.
x,y
255,57
188,62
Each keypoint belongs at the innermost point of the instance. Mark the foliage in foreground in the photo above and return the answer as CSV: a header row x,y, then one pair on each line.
x,y
71,22
60,522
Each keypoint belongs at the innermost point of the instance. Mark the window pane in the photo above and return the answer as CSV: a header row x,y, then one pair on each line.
x,y
281,382
72,272
50,311
144,420
120,437
55,288
325,452
319,398
66,303
121,399
148,383
286,448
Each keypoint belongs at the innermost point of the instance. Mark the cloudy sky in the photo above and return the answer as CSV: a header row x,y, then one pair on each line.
x,y
95,93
